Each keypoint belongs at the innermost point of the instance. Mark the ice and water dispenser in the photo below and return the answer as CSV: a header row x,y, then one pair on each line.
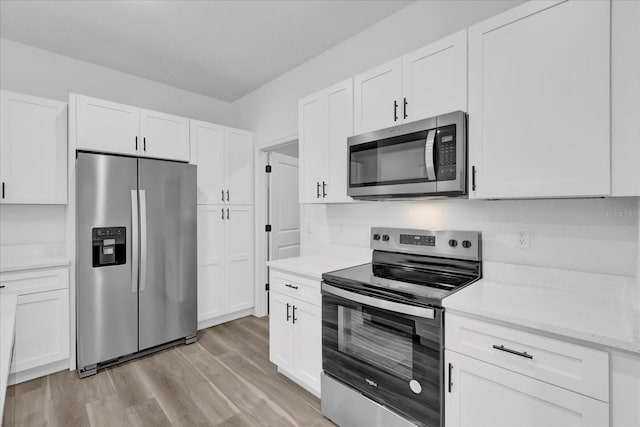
x,y
109,246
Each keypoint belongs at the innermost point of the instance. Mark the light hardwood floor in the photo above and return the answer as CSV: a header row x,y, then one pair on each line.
x,y
225,379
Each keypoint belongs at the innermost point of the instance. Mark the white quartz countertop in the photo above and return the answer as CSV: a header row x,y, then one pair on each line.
x,y
595,308
330,259
8,304
27,257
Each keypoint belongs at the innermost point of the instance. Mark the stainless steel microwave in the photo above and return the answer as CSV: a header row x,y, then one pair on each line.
x,y
424,158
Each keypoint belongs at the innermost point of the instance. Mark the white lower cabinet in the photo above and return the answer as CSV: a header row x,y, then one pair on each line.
x,y
225,262
295,336
481,394
42,320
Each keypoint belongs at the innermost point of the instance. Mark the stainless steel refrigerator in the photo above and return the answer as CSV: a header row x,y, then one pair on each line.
x,y
136,246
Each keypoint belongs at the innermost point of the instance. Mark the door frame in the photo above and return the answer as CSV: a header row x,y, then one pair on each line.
x,y
261,217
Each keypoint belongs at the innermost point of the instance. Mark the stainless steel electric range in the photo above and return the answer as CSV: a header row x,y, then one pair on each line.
x,y
382,327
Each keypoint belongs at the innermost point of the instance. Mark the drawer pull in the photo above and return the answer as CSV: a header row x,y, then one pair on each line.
x,y
517,353
289,285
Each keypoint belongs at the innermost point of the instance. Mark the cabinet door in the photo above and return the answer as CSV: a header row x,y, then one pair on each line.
x,y
307,326
42,329
434,78
211,280
281,331
239,257
377,97
239,167
33,150
207,152
164,136
625,98
539,106
481,394
313,147
106,126
340,125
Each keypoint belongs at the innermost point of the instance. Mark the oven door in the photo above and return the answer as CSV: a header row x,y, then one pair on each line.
x,y
389,351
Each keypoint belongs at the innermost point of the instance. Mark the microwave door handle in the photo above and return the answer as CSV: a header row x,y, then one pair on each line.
x,y
428,155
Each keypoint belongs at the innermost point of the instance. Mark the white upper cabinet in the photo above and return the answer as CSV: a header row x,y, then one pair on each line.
x,y
434,79
377,97
106,126
164,136
625,98
325,123
539,101
207,151
33,150
424,83
239,190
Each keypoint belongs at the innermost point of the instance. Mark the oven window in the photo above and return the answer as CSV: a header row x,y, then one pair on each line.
x,y
399,160
382,341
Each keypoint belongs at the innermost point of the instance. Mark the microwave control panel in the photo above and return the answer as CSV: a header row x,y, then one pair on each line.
x,y
446,152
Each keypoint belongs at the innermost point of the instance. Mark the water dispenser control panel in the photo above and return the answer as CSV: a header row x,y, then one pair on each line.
x,y
109,246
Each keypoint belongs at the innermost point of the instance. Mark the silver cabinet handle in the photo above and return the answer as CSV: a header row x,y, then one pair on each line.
x,y
289,285
412,310
428,155
517,353
143,240
134,241
227,213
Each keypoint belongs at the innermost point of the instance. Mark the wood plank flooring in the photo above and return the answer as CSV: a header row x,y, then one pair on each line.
x,y
225,379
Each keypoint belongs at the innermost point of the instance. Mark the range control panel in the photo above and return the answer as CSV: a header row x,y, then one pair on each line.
x,y
449,244
109,246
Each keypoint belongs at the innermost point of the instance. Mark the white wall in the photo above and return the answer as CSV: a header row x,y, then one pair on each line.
x,y
42,73
271,111
599,235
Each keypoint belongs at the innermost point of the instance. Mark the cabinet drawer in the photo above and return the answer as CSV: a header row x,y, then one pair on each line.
x,y
575,367
25,282
298,287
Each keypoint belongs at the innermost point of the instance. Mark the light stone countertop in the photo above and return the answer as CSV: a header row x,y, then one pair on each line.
x,y
330,259
27,257
8,304
595,308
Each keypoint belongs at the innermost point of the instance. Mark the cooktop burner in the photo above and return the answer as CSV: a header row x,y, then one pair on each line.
x,y
415,266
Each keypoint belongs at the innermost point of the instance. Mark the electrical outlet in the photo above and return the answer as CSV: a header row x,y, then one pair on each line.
x,y
523,239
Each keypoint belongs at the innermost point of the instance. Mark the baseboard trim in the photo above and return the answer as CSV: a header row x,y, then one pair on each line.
x,y
38,371
207,323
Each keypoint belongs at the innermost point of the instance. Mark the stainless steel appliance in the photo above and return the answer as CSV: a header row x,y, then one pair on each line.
x,y
136,257
382,327
419,159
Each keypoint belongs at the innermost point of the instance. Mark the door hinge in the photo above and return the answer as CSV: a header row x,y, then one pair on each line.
x,y
267,169
266,286
267,228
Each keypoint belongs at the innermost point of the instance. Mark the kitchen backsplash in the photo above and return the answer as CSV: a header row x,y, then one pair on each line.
x,y
592,235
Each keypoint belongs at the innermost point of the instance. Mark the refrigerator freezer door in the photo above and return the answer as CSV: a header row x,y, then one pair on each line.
x,y
107,299
168,252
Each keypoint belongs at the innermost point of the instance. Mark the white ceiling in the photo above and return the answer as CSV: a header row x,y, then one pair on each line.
x,y
223,49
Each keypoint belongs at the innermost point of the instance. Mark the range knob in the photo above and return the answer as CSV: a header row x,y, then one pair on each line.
x,y
466,244
376,237
385,237
453,243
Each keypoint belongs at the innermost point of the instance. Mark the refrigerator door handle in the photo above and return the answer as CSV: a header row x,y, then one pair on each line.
x,y
143,240
134,241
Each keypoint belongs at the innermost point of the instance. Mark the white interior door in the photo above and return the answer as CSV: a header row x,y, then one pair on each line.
x,y
284,207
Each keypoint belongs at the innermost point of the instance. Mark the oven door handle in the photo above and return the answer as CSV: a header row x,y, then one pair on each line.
x,y
412,310
428,155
